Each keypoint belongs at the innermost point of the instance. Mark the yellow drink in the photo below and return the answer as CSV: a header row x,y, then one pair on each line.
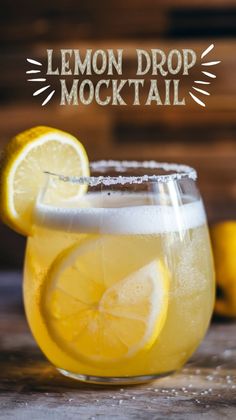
x,y
77,253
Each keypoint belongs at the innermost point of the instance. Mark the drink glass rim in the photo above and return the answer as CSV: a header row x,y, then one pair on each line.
x,y
178,172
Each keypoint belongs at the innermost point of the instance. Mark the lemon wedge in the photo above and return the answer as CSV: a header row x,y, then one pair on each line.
x,y
24,161
102,321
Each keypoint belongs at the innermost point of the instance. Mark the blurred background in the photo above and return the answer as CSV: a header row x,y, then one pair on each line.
x,y
203,138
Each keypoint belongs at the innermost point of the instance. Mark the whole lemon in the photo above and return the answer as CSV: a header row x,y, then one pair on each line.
x,y
223,236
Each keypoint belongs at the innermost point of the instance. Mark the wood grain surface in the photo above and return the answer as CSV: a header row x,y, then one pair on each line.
x,y
30,388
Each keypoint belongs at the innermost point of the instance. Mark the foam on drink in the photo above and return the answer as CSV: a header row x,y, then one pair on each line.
x,y
120,214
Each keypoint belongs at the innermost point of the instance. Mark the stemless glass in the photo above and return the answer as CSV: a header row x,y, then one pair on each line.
x,y
119,280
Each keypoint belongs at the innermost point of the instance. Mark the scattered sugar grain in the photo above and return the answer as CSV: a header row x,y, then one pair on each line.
x,y
227,353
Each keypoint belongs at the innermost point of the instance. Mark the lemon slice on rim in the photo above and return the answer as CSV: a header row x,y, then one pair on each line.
x,y
24,161
98,323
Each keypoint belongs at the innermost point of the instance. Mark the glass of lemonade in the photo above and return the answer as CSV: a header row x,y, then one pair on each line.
x,y
119,280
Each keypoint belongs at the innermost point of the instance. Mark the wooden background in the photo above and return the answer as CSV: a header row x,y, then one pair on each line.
x,y
203,138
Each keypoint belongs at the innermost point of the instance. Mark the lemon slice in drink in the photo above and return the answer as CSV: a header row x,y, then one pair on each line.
x,y
101,323
24,161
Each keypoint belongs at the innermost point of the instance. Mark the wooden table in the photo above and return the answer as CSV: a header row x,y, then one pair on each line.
x,y
32,389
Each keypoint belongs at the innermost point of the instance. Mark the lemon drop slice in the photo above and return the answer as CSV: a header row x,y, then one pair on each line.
x,y
25,159
99,323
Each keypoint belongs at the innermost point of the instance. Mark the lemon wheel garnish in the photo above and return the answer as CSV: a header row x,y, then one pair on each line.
x,y
101,323
24,161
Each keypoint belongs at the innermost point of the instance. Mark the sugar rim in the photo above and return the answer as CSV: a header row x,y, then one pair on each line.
x,y
180,171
